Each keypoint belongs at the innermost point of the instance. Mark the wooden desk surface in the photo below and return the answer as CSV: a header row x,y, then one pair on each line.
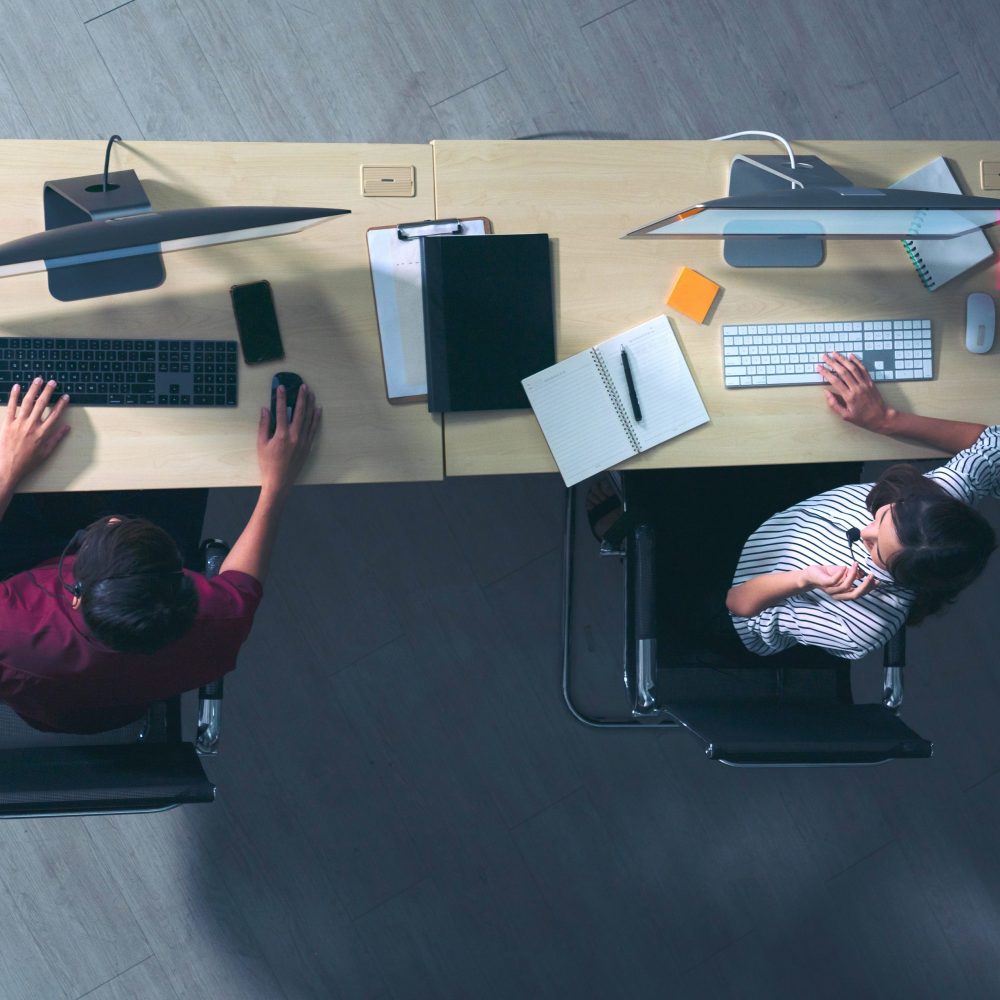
x,y
588,194
322,291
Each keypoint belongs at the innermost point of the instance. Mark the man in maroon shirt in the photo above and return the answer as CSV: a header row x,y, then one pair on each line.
x,y
88,641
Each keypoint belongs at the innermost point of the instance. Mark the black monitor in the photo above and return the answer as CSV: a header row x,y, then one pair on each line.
x,y
766,221
102,238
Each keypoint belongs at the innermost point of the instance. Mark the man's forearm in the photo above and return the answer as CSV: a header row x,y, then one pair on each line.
x,y
251,552
765,591
951,436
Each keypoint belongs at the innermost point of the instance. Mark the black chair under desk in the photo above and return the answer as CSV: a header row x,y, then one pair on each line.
x,y
677,661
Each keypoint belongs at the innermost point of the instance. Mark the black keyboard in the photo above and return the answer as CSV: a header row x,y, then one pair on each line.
x,y
124,372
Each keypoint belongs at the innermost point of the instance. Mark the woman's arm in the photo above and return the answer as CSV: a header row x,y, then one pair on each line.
x,y
26,439
853,397
281,458
769,589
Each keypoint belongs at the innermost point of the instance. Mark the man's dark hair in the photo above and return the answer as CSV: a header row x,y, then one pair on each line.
x,y
135,597
945,542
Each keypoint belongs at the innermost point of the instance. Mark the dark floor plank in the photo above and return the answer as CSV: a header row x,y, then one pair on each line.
x,y
445,62
902,46
172,88
944,109
258,60
145,980
476,926
360,74
167,872
604,929
492,109
70,904
869,932
81,100
502,523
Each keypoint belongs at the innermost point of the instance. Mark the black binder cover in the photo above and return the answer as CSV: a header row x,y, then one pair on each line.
x,y
488,319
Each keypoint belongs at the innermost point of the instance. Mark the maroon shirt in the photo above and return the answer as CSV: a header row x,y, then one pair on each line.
x,y
57,677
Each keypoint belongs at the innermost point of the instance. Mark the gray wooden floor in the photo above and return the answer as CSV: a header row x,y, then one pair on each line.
x,y
406,809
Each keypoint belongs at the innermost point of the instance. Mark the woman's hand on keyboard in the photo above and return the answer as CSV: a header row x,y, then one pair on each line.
x,y
26,437
839,582
852,394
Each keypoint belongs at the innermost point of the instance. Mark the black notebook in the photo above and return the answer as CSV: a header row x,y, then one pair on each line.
x,y
488,319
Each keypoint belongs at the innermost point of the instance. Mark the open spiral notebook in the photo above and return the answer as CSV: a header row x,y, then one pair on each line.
x,y
938,261
582,403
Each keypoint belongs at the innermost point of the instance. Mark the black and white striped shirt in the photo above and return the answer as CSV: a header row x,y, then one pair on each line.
x,y
815,532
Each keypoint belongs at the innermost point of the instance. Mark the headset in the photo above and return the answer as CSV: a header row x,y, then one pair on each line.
x,y
77,589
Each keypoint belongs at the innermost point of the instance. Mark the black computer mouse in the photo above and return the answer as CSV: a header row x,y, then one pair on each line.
x,y
292,383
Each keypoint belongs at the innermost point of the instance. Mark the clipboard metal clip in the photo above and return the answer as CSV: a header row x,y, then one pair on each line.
x,y
429,227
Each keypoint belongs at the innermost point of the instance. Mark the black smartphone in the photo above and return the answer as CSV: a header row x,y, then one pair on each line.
x,y
257,322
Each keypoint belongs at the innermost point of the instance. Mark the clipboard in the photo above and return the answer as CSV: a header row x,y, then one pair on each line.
x,y
394,259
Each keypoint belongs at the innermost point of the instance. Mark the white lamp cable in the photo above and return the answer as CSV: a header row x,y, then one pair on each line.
x,y
770,135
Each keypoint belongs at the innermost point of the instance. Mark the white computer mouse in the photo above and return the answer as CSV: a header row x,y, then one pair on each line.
x,y
980,322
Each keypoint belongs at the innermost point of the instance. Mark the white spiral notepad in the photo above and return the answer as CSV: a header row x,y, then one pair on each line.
x,y
582,404
938,261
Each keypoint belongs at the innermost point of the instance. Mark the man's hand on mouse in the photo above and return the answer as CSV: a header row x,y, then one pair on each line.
x,y
852,394
27,436
282,455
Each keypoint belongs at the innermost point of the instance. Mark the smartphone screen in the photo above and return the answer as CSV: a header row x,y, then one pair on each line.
x,y
257,322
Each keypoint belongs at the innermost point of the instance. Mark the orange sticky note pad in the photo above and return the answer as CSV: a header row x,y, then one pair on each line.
x,y
692,294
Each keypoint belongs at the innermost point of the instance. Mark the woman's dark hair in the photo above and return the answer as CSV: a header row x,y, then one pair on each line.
x,y
945,543
135,597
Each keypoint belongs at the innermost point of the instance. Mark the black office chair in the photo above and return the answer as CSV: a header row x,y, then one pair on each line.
x,y
143,767
679,669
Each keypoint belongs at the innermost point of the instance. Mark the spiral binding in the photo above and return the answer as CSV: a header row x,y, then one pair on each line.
x,y
609,385
923,271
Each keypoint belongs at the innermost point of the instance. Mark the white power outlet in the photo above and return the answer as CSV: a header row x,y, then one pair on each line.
x,y
388,182
989,175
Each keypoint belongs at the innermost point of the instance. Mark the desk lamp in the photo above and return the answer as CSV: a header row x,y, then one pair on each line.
x,y
103,238
781,209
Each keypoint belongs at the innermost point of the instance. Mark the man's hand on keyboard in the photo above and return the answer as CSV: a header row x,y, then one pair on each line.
x,y
26,439
852,394
839,582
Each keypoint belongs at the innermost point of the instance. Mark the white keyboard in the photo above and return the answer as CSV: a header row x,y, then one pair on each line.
x,y
893,350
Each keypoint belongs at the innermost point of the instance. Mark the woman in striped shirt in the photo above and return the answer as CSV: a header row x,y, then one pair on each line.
x,y
913,541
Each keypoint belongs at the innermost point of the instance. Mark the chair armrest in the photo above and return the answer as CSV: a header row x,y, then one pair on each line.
x,y
213,552
893,661
643,550
206,741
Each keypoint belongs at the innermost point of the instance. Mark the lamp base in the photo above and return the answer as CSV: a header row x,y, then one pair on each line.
x,y
73,200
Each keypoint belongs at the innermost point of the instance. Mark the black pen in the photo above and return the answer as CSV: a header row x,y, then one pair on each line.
x,y
636,412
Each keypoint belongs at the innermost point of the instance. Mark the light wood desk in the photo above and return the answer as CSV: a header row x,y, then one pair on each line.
x,y
588,194
322,290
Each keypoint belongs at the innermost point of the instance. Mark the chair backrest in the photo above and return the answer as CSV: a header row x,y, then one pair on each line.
x,y
142,767
762,734
88,780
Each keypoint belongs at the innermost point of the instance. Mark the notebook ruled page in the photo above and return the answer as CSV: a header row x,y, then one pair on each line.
x,y
668,397
578,418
